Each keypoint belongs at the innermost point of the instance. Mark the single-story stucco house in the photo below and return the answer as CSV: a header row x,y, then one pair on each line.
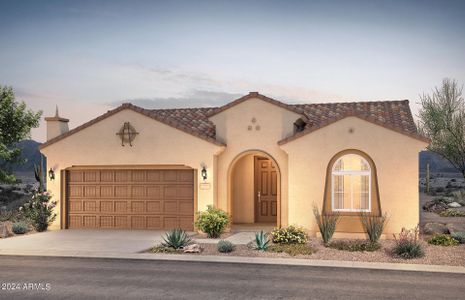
x,y
261,160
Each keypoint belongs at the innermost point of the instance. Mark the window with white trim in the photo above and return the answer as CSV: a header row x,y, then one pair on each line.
x,y
351,184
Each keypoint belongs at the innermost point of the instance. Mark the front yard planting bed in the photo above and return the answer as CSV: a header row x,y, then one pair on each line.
x,y
434,255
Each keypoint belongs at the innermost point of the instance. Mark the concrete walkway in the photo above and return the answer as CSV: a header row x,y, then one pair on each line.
x,y
98,241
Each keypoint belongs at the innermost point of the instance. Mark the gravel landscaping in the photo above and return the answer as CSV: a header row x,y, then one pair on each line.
x,y
434,255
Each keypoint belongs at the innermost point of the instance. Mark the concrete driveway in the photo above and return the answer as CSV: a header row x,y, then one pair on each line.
x,y
76,242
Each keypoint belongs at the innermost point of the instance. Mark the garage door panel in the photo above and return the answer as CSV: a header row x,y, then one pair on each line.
x,y
131,199
75,206
106,206
91,176
138,191
107,191
76,191
154,192
154,222
121,191
154,207
91,191
121,222
106,222
138,207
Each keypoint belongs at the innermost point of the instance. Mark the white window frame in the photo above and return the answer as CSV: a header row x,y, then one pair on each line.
x,y
339,173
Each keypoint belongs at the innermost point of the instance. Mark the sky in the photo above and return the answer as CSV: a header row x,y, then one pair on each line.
x,y
90,56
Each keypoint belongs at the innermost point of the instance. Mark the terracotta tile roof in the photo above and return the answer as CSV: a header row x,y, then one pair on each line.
x,y
394,115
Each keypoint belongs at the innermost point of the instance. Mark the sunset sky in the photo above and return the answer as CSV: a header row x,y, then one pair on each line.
x,y
90,56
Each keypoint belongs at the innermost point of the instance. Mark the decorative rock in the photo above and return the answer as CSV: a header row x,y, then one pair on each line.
x,y
194,248
454,204
455,227
435,228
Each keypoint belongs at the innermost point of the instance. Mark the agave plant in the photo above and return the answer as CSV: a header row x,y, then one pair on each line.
x,y
261,241
176,239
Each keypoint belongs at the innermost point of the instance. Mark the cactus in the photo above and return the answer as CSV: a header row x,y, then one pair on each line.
x,y
39,175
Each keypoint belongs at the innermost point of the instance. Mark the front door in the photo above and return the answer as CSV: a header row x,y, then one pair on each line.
x,y
266,191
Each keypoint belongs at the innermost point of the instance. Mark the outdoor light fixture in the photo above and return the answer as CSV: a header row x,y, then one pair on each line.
x,y
51,174
204,173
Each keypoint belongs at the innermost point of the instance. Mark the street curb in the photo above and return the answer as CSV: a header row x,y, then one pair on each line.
x,y
248,260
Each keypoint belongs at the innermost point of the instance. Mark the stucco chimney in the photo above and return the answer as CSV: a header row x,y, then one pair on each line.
x,y
56,125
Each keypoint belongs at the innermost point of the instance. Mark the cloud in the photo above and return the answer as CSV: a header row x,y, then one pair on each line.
x,y
194,98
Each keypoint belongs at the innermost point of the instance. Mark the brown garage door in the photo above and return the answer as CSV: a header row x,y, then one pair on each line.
x,y
130,199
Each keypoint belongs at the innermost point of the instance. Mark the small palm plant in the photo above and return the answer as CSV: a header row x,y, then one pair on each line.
x,y
176,239
261,241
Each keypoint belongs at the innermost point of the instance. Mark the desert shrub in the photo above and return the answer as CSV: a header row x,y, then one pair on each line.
x,y
354,245
459,236
213,221
162,249
292,249
451,212
443,240
176,239
5,215
439,189
225,246
408,244
261,241
20,228
459,196
39,210
289,235
373,225
436,205
326,224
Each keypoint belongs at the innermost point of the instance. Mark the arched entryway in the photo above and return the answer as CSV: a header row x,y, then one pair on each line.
x,y
254,189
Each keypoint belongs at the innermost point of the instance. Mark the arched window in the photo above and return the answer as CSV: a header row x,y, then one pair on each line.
x,y
351,184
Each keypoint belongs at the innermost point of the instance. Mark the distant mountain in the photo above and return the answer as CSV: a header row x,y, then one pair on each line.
x,y
436,162
30,153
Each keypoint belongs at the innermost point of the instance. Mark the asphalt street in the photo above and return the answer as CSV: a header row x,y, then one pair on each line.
x,y
88,278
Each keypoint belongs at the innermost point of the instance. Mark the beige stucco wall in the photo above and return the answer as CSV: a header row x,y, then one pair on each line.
x,y
232,124
395,156
156,144
243,192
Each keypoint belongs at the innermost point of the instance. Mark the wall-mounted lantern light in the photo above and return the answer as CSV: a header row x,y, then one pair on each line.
x,y
204,173
51,174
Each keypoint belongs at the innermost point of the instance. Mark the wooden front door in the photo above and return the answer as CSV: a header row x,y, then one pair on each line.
x,y
266,191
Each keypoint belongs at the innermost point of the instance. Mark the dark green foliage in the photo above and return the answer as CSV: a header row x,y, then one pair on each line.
x,y
354,245
225,246
326,224
16,122
20,228
261,241
373,226
39,210
212,222
163,249
408,244
451,212
443,240
5,215
459,236
176,239
292,249
442,120
289,235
